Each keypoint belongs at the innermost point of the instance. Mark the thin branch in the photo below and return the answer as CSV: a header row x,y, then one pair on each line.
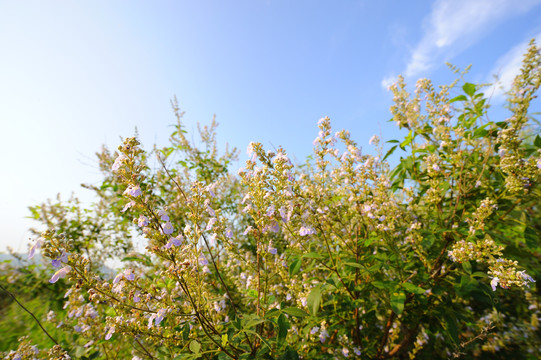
x,y
28,311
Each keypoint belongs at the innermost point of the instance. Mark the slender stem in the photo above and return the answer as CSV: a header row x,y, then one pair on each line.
x,y
31,314
144,349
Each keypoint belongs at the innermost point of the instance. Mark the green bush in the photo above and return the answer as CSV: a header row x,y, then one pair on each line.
x,y
342,256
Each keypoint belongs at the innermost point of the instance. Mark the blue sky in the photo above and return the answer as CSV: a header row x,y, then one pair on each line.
x,y
76,75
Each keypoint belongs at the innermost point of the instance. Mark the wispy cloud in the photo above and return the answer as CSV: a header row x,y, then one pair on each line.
x,y
388,81
507,68
454,25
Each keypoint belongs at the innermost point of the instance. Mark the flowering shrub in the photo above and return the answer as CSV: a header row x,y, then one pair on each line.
x,y
341,257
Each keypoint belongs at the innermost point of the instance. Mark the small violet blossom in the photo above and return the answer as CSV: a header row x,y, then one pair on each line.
x,y
177,241
133,190
118,162
127,206
110,333
142,221
228,233
61,259
156,318
37,245
167,228
163,215
203,261
211,223
494,283
306,230
60,274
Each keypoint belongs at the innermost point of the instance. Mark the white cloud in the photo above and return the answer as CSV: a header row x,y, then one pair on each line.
x,y
507,68
454,25
388,81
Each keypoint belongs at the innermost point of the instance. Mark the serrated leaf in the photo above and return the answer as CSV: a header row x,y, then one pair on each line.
x,y
397,301
195,346
295,312
314,300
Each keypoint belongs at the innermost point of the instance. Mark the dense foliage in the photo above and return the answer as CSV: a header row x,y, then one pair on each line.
x,y
342,256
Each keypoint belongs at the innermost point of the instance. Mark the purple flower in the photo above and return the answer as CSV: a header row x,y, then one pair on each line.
x,y
494,283
143,221
203,261
133,190
270,210
136,297
228,233
306,230
163,215
34,247
118,162
177,241
248,230
110,333
167,228
60,274
160,316
211,223
61,259
127,206
129,274
118,277
323,335
157,317
283,214
210,189
274,227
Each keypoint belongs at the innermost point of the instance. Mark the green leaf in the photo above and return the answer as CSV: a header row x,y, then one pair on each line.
x,y
290,354
313,255
195,346
314,300
145,259
355,265
532,238
537,141
469,88
458,98
397,301
295,266
414,289
389,153
393,141
295,312
466,265
253,323
452,328
224,339
283,327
